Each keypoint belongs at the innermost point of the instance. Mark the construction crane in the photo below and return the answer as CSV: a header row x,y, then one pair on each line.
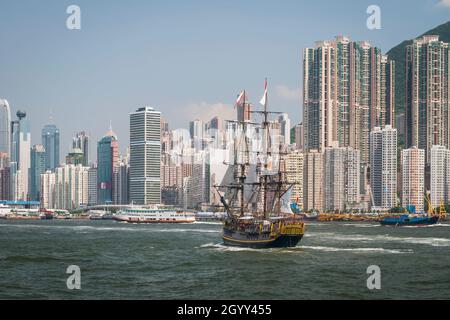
x,y
430,210
442,211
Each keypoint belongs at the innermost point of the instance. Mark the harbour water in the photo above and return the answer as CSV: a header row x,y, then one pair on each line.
x,y
188,261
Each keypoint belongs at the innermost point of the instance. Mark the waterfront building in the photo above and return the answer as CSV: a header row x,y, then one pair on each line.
x,y
121,181
47,189
37,167
50,141
294,175
413,178
383,167
5,127
4,177
107,167
427,94
439,175
341,178
313,181
71,186
199,183
92,185
145,154
20,157
348,89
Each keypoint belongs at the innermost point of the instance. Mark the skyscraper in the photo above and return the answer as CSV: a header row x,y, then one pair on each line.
x,y
50,141
244,110
197,131
20,156
48,189
439,175
5,181
383,167
319,96
37,168
121,182
145,154
427,94
413,177
75,156
298,136
107,167
66,187
81,141
348,90
92,185
341,178
294,169
285,128
5,127
313,181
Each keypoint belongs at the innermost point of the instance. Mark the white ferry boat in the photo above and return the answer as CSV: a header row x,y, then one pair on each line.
x,y
153,215
4,211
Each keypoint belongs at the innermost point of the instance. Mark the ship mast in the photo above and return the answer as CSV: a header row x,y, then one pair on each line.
x,y
267,153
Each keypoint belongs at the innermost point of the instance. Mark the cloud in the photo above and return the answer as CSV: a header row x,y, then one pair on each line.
x,y
444,3
287,93
206,111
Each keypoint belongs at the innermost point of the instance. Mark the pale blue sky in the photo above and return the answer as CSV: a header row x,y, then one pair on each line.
x,y
188,59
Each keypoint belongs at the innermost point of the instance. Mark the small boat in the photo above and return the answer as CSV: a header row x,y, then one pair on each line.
x,y
409,220
45,214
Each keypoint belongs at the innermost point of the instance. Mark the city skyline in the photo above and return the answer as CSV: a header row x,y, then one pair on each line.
x,y
44,69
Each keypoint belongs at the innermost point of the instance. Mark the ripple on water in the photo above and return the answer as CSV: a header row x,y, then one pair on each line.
x,y
359,250
431,241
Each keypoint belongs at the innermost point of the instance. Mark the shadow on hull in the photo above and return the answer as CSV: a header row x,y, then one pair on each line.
x,y
282,241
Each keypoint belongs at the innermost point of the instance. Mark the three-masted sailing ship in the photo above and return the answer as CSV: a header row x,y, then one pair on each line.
x,y
255,192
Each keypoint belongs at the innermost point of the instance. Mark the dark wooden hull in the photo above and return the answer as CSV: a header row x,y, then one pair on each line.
x,y
282,241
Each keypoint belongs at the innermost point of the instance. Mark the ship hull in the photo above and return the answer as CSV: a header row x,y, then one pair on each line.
x,y
150,221
410,222
282,241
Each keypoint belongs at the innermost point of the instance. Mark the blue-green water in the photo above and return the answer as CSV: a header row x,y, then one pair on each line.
x,y
188,261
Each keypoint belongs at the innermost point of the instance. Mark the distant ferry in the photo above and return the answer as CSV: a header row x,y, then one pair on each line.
x,y
4,211
153,215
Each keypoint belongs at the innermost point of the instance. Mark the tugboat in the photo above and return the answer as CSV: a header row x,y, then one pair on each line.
x,y
408,220
254,194
413,219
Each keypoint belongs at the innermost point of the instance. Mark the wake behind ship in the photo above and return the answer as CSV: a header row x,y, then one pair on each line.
x,y
255,192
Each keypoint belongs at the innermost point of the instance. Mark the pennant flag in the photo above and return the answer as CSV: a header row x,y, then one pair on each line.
x,y
263,100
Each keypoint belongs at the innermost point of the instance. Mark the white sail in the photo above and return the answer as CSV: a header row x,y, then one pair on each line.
x,y
286,202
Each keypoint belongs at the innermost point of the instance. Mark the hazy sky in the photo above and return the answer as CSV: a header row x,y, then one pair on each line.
x,y
188,59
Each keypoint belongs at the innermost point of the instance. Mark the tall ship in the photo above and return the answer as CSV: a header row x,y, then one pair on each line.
x,y
153,214
254,192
